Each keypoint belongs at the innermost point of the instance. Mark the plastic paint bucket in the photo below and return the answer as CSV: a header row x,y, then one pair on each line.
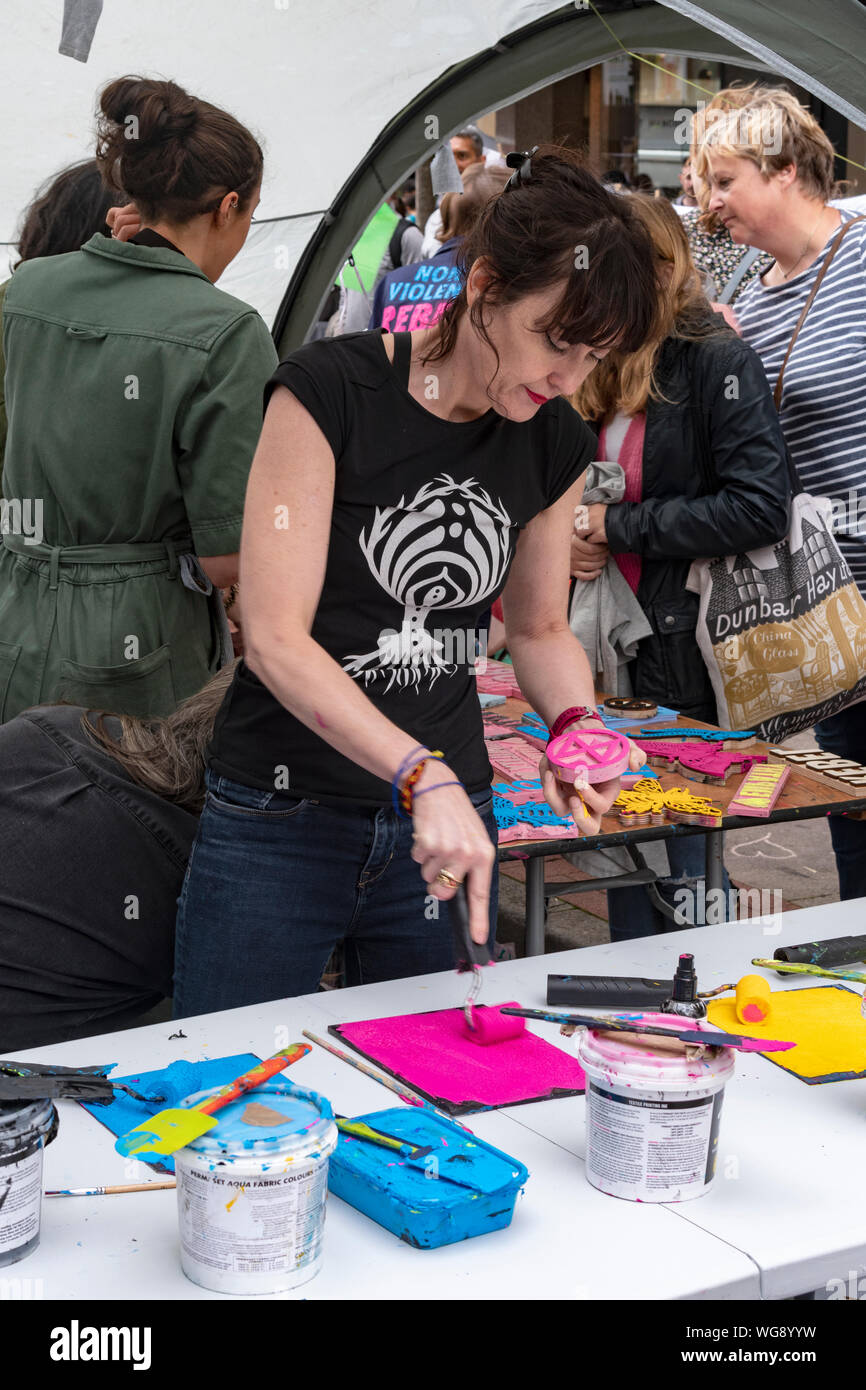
x,y
652,1115
251,1193
25,1129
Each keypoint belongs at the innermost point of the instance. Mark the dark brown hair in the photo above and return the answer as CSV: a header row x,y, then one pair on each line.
x,y
65,213
561,226
173,155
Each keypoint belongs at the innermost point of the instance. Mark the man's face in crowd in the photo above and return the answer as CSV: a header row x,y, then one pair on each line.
x,y
463,150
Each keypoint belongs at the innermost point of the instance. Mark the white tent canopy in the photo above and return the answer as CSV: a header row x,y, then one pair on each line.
x,y
341,94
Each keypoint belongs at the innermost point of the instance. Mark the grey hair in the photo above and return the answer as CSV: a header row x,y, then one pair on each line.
x,y
472,133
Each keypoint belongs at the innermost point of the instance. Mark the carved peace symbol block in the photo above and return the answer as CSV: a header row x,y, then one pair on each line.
x,y
588,755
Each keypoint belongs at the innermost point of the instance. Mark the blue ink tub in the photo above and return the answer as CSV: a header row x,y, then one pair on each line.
x,y
251,1192
421,1204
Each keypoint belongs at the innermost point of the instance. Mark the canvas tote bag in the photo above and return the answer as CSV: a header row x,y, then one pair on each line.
x,y
782,629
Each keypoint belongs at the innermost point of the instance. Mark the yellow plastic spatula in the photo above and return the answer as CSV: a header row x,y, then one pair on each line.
x,y
170,1130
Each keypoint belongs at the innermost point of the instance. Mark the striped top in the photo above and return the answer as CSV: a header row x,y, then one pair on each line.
x,y
823,409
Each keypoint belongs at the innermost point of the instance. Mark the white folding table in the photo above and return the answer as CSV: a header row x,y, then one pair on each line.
x,y
785,1215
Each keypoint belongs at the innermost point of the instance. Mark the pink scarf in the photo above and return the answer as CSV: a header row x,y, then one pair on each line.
x,y
631,462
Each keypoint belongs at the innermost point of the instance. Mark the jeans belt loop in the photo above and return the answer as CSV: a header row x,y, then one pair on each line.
x,y
54,571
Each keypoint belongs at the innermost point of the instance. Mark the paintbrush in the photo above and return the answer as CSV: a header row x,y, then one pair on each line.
x,y
359,1129
705,1037
402,1091
413,1154
110,1191
791,967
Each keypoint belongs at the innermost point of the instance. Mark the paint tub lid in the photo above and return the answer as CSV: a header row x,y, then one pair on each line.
x,y
614,1055
22,1122
252,1124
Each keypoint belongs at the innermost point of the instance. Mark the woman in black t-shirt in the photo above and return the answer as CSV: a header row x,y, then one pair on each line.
x,y
398,484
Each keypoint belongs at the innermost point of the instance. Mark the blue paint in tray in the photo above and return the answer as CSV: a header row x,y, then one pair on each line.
x,y
427,1211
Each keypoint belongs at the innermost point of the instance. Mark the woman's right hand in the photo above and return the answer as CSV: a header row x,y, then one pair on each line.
x,y
450,834
588,558
123,222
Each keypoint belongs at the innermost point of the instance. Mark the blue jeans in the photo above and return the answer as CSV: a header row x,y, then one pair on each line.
x,y
845,735
632,913
275,881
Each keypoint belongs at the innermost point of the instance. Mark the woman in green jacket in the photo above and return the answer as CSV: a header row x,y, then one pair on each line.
x,y
134,400
67,210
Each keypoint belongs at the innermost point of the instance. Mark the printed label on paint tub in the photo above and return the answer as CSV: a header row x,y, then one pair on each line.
x,y
20,1201
254,1225
651,1150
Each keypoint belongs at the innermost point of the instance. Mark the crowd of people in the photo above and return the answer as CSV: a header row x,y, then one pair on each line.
x,y
233,733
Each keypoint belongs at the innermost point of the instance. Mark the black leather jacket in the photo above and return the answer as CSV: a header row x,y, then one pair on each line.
x,y
715,482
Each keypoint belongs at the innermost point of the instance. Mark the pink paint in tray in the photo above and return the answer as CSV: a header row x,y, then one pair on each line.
x,y
431,1053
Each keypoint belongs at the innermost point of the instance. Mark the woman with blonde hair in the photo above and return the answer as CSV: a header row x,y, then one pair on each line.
x,y
769,170
690,419
718,257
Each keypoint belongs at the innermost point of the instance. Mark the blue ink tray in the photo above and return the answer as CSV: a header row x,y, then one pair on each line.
x,y
419,1204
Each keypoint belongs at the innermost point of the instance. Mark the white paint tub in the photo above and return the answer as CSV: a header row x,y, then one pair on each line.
x,y
251,1193
25,1129
652,1114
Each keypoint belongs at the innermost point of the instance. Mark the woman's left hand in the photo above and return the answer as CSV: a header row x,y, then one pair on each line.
x,y
586,805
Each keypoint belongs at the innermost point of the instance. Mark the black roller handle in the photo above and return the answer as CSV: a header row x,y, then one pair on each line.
x,y
467,953
609,991
843,950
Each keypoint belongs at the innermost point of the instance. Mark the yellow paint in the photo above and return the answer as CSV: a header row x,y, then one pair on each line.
x,y
230,1204
823,1021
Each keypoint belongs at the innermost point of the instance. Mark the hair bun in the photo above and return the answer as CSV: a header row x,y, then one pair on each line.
x,y
174,124
171,152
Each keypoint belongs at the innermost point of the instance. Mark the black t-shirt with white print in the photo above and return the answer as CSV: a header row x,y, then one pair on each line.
x,y
426,516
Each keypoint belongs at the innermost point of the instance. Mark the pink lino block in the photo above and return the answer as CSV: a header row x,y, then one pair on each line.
x,y
759,790
511,756
588,755
707,762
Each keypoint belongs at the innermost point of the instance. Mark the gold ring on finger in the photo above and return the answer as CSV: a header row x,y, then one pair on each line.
x,y
449,880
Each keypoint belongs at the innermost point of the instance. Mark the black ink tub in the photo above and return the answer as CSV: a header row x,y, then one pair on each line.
x,y
25,1129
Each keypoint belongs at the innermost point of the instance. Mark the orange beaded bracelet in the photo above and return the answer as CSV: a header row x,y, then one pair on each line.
x,y
406,791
